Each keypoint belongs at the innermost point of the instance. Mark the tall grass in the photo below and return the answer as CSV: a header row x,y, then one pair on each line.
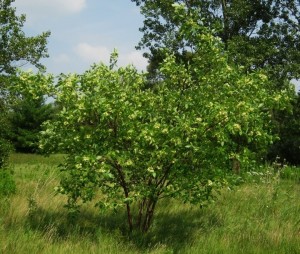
x,y
259,216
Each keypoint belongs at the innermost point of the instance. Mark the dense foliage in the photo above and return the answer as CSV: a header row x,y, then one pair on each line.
x,y
4,144
287,150
26,117
7,184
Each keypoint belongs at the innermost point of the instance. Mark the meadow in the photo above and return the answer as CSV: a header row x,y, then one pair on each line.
x,y
260,215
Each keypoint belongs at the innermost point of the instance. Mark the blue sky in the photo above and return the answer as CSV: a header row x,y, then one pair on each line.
x,y
85,31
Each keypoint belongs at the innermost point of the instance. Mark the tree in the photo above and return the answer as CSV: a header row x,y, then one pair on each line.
x,y
26,118
257,34
288,147
16,50
128,145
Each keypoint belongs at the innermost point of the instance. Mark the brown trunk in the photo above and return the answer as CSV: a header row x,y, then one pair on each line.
x,y
129,217
126,193
149,215
145,214
140,214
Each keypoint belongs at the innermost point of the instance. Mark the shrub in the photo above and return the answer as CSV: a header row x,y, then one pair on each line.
x,y
7,183
130,145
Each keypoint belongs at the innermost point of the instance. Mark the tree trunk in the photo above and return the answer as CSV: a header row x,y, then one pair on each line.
x,y
225,35
145,214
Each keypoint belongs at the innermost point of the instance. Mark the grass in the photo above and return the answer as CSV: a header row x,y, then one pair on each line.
x,y
260,216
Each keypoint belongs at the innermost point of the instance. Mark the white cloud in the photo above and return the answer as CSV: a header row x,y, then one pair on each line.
x,y
71,5
45,7
92,54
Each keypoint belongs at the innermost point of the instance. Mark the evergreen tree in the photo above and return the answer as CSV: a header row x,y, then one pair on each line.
x,y
26,119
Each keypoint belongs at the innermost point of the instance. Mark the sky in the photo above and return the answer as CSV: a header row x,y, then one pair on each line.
x,y
84,31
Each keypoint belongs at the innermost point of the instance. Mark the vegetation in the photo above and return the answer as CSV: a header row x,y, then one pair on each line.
x,y
5,146
16,49
258,35
287,149
135,146
26,118
259,216
7,185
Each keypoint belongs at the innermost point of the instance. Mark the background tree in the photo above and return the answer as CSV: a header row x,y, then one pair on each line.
x,y
288,147
16,50
26,118
256,34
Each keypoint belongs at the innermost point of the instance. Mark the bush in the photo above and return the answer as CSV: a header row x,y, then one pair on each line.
x,y
290,173
7,183
5,149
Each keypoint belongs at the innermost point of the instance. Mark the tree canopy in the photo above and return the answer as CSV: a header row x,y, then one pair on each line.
x,y
257,34
16,49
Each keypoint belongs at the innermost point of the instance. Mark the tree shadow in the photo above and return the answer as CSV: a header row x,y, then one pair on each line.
x,y
178,229
174,230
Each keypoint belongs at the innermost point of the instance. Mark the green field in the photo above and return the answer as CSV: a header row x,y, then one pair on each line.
x,y
258,216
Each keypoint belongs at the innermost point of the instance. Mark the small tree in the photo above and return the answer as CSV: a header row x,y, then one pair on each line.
x,y
137,146
26,117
